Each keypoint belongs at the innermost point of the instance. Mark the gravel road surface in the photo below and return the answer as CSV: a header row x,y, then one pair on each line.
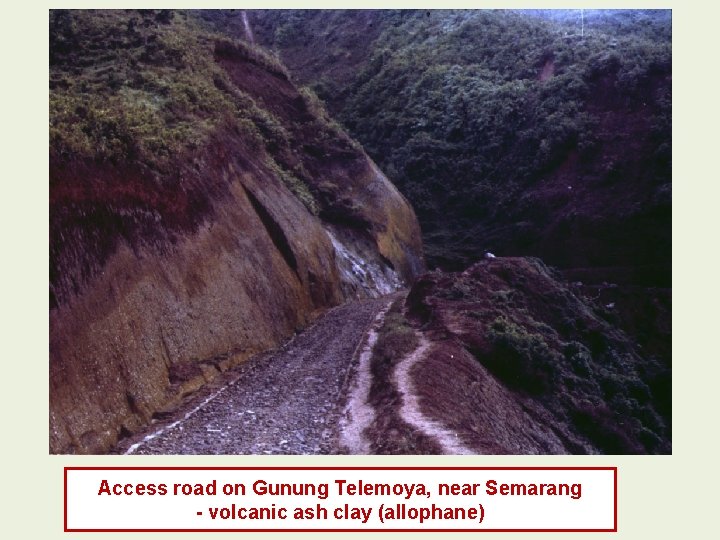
x,y
283,402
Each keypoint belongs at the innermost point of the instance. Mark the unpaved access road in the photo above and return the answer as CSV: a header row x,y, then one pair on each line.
x,y
287,401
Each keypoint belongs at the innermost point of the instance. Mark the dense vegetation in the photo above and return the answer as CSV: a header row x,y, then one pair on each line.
x,y
507,131
124,84
533,132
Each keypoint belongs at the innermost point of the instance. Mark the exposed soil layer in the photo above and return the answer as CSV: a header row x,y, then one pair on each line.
x,y
283,402
192,190
390,432
504,358
522,363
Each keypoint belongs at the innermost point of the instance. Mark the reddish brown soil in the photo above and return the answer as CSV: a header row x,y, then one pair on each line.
x,y
157,267
286,401
522,364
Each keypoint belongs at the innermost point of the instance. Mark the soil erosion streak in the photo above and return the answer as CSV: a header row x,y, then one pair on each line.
x,y
287,401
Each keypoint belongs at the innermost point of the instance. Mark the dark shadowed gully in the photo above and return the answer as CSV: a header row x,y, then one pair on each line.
x,y
282,402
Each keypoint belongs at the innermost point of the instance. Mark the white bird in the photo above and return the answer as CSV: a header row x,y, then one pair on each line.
x,y
489,255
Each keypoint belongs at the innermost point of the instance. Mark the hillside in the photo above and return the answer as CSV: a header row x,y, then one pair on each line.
x,y
518,132
509,339
203,208
503,358
231,270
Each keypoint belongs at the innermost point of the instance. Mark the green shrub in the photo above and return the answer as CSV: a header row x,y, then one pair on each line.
x,y
521,359
396,338
143,86
451,108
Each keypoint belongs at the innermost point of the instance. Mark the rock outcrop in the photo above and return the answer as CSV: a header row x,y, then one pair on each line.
x,y
188,233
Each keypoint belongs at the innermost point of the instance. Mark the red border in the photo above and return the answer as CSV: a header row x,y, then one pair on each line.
x,y
615,494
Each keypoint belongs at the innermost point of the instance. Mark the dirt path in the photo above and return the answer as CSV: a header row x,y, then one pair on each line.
x,y
411,411
285,402
359,415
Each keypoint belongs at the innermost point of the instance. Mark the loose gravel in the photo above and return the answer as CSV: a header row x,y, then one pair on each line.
x,y
283,402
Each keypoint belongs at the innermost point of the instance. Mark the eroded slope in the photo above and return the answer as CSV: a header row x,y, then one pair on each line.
x,y
506,358
192,189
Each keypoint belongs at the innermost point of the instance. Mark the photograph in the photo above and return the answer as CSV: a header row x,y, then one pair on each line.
x,y
360,232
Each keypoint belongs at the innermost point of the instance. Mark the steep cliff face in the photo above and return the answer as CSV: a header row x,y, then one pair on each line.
x,y
202,209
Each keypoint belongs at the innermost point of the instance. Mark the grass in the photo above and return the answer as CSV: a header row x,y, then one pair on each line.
x,y
551,347
389,433
131,85
396,338
142,86
521,359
